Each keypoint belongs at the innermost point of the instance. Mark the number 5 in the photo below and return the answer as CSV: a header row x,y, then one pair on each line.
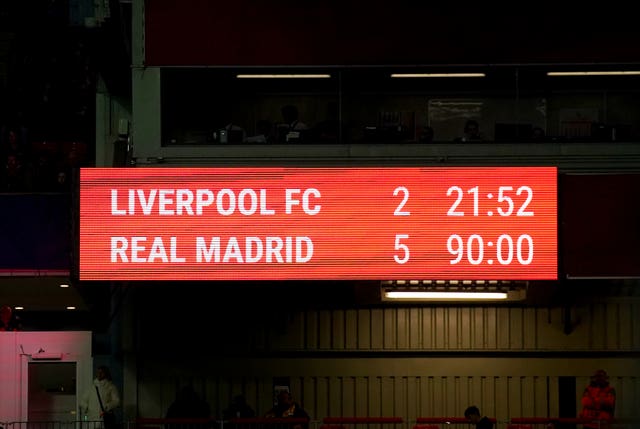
x,y
403,247
502,197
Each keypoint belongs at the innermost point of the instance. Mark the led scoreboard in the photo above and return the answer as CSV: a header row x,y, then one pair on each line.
x,y
463,223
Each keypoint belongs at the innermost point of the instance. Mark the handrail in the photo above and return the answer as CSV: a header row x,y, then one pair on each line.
x,y
160,420
270,420
565,420
447,420
362,420
267,421
236,420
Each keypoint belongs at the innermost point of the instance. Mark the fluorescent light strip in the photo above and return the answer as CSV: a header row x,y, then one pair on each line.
x,y
18,307
596,73
444,295
438,75
283,76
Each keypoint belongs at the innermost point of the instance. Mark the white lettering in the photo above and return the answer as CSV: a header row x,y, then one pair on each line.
x,y
157,251
251,256
204,198
171,202
305,201
242,205
114,204
119,246
212,251
299,258
146,204
263,203
184,199
267,250
287,250
164,202
232,251
118,249
137,248
289,201
174,251
132,202
232,202
274,246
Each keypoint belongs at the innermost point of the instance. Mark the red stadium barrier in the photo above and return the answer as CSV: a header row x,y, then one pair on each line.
x,y
446,420
362,420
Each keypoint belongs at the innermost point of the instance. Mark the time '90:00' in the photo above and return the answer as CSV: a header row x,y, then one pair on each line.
x,y
474,248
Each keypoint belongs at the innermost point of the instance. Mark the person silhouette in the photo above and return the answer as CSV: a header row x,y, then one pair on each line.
x,y
292,129
188,405
238,409
472,414
263,132
471,132
286,407
8,321
598,400
101,399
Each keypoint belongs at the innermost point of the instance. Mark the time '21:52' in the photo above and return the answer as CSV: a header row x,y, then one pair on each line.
x,y
506,202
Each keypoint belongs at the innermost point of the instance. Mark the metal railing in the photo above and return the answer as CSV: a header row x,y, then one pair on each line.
x,y
330,423
53,424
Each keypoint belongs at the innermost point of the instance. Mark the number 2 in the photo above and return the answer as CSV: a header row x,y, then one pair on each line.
x,y
452,211
399,211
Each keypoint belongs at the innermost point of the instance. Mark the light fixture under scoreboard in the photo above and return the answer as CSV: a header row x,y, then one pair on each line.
x,y
337,223
453,290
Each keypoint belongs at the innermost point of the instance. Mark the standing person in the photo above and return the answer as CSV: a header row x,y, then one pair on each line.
x,y
7,320
101,399
473,415
598,400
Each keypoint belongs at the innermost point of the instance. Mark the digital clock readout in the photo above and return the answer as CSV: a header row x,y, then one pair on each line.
x,y
464,223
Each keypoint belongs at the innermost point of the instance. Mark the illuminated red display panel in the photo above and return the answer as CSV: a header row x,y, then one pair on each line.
x,y
318,223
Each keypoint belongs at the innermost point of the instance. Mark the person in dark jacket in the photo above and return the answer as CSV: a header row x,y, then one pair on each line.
x,y
473,415
287,407
8,322
238,408
188,405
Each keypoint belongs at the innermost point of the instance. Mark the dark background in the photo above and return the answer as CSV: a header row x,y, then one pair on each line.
x,y
374,32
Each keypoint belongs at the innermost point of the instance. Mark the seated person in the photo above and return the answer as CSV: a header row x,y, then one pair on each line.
x,y
292,129
471,132
473,415
538,134
263,133
226,128
329,129
427,135
238,409
234,134
287,407
188,405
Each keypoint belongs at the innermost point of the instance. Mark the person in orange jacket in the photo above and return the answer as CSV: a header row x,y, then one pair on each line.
x,y
598,400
